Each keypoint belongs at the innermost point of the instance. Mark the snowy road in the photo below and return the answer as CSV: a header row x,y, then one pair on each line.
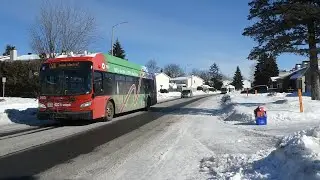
x,y
172,141
30,153
171,147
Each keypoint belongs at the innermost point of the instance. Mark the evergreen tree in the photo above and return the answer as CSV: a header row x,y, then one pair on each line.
x,y
8,49
118,50
216,76
237,79
265,69
287,26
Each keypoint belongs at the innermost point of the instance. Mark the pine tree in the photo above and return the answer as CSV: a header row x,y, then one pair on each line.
x,y
216,76
8,49
237,79
118,50
265,69
287,26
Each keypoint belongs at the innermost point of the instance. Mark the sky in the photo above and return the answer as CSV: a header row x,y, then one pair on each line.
x,y
191,33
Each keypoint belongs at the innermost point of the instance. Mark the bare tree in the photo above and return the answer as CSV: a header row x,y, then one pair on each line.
x,y
152,66
60,27
173,70
204,74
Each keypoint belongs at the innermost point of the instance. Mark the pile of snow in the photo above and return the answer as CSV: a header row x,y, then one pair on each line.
x,y
20,111
296,156
168,96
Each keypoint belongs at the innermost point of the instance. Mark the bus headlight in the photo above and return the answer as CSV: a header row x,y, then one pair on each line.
x,y
40,105
86,104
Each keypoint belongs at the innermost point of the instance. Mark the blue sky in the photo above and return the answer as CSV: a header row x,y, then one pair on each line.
x,y
191,33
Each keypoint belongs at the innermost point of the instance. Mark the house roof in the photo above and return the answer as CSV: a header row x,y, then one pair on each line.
x,y
28,57
300,71
179,78
162,73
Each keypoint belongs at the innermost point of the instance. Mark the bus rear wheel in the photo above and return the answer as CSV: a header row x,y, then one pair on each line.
x,y
109,111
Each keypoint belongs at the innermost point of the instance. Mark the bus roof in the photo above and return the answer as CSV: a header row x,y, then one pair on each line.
x,y
122,62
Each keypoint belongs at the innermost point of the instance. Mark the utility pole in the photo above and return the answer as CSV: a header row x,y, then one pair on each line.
x,y
4,79
113,34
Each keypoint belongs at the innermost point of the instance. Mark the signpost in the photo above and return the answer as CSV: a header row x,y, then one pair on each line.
x,y
4,79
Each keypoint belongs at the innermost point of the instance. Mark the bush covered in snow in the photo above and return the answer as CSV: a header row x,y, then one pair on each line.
x,y
295,157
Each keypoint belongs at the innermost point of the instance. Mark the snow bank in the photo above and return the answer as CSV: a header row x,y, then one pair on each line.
x,y
295,157
20,111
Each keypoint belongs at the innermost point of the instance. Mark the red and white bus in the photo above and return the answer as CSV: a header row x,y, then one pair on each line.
x,y
93,86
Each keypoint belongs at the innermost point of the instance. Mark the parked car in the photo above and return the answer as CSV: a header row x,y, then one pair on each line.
x,y
260,89
186,93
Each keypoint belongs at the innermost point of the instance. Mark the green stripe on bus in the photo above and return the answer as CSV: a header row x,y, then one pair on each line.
x,y
121,66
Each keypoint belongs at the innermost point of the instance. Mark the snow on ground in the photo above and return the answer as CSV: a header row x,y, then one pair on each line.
x,y
295,156
174,95
282,109
170,147
19,111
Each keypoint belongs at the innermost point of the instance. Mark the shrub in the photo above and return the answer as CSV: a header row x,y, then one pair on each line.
x,y
20,79
199,88
164,91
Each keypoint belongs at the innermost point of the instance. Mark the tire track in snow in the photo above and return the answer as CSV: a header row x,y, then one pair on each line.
x,y
181,130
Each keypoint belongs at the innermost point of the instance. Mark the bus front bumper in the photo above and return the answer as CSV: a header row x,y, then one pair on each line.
x,y
83,115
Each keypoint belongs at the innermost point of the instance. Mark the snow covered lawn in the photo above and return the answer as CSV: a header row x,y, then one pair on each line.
x,y
296,155
19,111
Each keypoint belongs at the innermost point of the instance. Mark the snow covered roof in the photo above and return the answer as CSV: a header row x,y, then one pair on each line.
x,y
180,78
76,55
162,73
273,79
28,57
4,58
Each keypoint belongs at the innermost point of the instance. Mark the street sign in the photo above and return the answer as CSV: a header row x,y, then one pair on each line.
x,y
4,79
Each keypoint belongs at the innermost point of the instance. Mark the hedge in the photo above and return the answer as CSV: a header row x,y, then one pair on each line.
x,y
20,78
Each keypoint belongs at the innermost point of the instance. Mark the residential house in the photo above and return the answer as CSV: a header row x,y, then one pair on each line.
x,y
188,82
297,78
162,81
14,56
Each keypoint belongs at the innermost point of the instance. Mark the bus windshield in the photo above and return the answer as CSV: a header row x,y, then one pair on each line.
x,y
66,78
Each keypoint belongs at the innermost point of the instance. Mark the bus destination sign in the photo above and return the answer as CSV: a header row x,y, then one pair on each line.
x,y
63,65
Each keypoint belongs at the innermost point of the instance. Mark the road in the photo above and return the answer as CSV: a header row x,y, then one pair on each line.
x,y
169,142
26,154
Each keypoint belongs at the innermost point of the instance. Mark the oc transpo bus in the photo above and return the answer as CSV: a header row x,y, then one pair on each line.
x,y
93,86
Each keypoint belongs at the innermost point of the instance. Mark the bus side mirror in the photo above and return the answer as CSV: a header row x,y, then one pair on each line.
x,y
93,95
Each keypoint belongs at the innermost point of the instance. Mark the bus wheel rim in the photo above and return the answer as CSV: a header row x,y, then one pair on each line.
x,y
109,110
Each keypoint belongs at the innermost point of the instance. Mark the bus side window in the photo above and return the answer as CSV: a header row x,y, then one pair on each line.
x,y
146,86
98,83
109,83
121,82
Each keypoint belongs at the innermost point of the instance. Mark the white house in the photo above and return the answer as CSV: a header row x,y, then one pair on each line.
x,y
14,56
188,81
162,81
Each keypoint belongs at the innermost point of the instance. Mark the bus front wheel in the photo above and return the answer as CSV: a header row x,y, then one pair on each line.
x,y
109,111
